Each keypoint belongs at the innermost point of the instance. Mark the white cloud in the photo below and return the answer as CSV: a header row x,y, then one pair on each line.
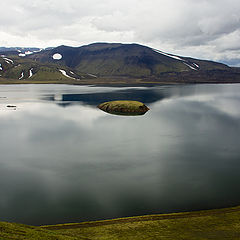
x,y
206,29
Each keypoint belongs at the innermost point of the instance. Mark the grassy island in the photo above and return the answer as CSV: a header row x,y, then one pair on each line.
x,y
124,107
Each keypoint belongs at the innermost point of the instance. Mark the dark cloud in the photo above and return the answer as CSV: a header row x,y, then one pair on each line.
x,y
204,29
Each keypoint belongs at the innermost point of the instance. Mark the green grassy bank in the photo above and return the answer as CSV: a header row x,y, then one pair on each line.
x,y
219,224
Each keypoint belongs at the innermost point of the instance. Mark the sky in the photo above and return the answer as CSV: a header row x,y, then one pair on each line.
x,y
206,29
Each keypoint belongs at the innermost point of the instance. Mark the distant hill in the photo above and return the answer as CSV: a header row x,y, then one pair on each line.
x,y
110,63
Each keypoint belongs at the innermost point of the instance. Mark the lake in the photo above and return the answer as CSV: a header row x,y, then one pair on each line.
x,y
64,160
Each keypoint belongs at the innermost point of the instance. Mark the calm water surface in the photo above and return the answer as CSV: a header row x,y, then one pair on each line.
x,y
64,160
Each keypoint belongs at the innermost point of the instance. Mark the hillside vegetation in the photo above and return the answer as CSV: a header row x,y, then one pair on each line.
x,y
109,63
212,224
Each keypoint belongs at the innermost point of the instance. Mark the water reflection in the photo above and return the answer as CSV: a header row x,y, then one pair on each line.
x,y
78,163
143,95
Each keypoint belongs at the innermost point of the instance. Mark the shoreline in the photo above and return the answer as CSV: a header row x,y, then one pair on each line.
x,y
113,84
198,225
119,81
143,218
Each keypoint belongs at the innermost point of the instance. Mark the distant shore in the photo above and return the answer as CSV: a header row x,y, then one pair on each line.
x,y
114,81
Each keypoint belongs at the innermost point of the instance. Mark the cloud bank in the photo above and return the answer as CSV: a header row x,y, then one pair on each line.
x,y
208,29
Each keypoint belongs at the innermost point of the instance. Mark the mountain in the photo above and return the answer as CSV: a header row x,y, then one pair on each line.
x,y
110,63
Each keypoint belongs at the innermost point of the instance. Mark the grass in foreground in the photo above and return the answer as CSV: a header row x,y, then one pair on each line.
x,y
213,224
10,231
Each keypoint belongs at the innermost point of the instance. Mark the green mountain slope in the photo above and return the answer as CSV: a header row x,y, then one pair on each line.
x,y
111,63
17,68
104,59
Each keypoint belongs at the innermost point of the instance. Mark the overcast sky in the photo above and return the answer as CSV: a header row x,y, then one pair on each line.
x,y
208,29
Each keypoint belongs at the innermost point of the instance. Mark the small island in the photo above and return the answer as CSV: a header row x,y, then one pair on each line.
x,y
124,107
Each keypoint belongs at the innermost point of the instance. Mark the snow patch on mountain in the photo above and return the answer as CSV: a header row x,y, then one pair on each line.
x,y
168,55
196,65
30,73
192,66
37,51
91,75
8,60
22,75
24,54
65,74
28,52
57,56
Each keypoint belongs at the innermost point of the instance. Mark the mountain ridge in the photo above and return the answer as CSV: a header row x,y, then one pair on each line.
x,y
110,62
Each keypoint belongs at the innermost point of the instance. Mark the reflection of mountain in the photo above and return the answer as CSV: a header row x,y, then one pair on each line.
x,y
146,95
143,95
